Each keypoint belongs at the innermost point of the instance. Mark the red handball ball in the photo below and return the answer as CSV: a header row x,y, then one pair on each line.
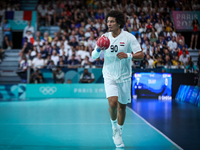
x,y
103,43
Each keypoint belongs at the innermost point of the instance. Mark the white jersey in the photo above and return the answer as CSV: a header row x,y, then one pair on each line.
x,y
114,68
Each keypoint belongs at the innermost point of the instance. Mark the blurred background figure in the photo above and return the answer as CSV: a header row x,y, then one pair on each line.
x,y
86,77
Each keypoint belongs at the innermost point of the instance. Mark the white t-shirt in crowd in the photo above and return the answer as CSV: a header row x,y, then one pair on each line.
x,y
158,27
42,11
61,51
55,59
37,63
28,28
172,45
184,59
150,61
83,53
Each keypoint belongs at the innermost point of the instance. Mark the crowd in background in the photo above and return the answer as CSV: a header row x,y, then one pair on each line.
x,y
82,22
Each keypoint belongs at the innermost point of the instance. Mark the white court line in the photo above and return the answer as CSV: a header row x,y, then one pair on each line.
x,y
60,123
15,138
156,130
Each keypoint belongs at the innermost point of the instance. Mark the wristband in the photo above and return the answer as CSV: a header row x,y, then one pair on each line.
x,y
98,49
130,56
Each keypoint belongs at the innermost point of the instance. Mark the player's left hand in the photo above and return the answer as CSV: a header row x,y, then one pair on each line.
x,y
122,55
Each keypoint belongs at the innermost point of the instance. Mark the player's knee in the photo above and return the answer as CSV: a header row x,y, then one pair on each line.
x,y
121,109
6,38
112,104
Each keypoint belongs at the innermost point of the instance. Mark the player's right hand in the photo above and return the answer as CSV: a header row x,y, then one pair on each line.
x,y
98,49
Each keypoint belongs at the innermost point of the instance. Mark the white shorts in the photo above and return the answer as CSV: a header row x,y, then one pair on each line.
x,y
122,90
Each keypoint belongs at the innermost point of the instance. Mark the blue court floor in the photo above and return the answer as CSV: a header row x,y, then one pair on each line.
x,y
74,124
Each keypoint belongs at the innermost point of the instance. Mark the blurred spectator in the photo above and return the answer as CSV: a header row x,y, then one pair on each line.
x,y
184,58
195,5
22,70
69,81
28,28
173,33
86,77
82,52
26,47
46,37
91,42
73,63
56,42
42,13
7,34
180,52
98,63
191,68
153,38
158,62
135,31
86,63
48,60
55,57
38,35
73,42
61,61
176,61
156,53
38,62
44,52
195,33
161,42
147,47
58,75
167,61
138,38
150,61
142,29
149,25
51,16
58,11
180,38
172,45
163,32
159,25
37,77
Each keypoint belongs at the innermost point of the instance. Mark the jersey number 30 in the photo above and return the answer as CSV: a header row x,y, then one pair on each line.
x,y
114,48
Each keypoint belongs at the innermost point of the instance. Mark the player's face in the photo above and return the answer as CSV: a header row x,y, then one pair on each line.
x,y
113,26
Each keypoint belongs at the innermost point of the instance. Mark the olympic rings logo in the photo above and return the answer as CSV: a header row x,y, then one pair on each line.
x,y
48,90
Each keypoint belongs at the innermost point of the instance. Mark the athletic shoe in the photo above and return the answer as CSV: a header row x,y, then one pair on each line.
x,y
189,48
195,48
117,138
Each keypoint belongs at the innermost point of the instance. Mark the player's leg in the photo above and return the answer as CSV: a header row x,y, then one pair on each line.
x,y
123,98
112,96
113,107
111,89
121,113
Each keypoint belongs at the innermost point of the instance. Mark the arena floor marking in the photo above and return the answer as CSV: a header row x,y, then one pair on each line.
x,y
73,124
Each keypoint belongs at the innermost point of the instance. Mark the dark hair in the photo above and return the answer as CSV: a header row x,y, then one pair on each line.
x,y
119,17
194,22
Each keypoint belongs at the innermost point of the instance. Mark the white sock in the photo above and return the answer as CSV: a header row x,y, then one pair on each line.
x,y
120,127
114,123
